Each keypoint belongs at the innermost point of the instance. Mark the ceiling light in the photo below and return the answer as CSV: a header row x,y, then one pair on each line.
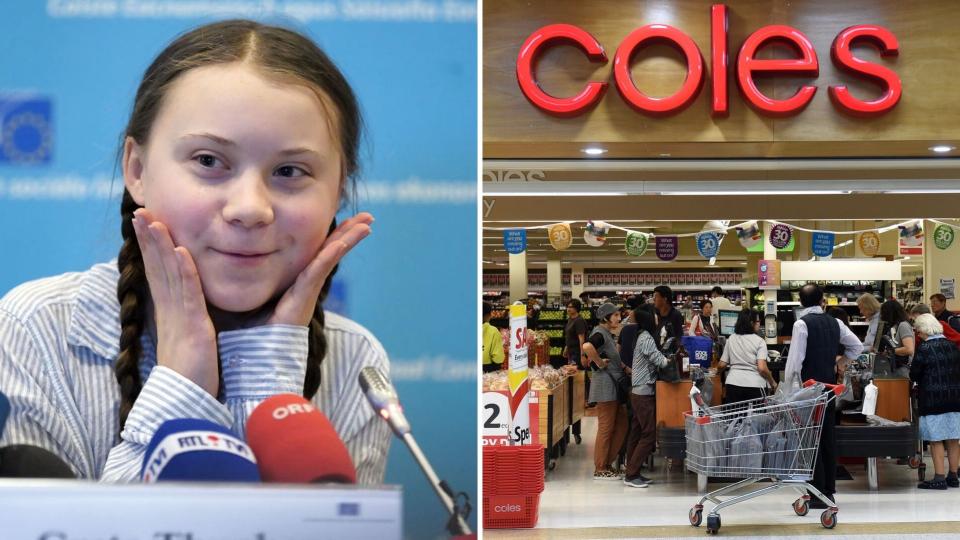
x,y
942,148
594,151
761,192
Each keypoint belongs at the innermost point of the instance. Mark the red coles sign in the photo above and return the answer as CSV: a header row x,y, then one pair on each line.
x,y
747,67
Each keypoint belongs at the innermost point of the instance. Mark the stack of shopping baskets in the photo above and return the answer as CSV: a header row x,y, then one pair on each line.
x,y
512,483
775,438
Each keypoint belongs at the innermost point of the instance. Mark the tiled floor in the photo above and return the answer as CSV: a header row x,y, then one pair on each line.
x,y
573,500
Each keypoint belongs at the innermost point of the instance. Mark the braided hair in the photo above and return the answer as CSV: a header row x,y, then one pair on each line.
x,y
277,52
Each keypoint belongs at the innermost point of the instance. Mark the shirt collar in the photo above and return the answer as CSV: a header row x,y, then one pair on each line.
x,y
816,310
95,323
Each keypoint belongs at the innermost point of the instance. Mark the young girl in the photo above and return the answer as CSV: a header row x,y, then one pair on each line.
x,y
240,148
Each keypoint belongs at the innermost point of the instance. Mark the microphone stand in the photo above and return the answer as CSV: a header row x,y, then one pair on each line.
x,y
457,524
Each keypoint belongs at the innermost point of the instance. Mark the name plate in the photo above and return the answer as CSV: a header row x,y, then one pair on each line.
x,y
34,509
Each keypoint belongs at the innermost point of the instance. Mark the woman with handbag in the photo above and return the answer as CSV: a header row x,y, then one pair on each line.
x,y
603,360
647,359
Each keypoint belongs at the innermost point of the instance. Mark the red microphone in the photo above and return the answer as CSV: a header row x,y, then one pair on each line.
x,y
295,443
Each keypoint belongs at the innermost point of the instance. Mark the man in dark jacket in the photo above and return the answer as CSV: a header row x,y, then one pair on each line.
x,y
814,344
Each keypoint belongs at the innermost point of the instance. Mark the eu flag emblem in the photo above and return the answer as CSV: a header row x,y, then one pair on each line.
x,y
348,509
26,130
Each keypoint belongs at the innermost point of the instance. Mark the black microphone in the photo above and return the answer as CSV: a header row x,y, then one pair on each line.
x,y
383,398
25,461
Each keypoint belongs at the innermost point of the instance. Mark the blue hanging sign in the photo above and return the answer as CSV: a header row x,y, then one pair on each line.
x,y
823,243
708,244
515,241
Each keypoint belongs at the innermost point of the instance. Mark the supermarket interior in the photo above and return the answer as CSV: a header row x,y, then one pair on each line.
x,y
725,189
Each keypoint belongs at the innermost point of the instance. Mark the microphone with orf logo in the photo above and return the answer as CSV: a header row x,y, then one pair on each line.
x,y
295,443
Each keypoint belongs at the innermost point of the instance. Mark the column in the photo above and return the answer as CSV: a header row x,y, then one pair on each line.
x,y
554,277
940,264
518,277
576,289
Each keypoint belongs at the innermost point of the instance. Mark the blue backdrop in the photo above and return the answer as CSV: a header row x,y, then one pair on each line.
x,y
68,75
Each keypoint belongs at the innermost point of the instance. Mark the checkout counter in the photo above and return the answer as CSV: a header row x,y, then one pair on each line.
x,y
855,437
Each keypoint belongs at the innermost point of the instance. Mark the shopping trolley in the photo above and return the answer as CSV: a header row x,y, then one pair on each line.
x,y
774,437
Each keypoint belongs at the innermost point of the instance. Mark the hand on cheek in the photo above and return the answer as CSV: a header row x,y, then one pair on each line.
x,y
298,303
186,338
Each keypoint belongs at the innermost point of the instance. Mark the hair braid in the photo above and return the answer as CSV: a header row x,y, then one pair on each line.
x,y
317,341
132,294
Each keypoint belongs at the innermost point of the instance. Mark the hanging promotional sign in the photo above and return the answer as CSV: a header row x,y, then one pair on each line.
x,y
560,236
708,244
911,238
595,233
667,247
749,234
515,241
780,235
822,243
636,244
943,236
869,243
517,378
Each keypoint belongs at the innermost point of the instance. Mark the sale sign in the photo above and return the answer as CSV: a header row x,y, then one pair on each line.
x,y
780,235
517,377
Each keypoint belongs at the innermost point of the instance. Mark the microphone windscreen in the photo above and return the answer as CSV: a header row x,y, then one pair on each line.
x,y
190,449
295,443
25,461
4,411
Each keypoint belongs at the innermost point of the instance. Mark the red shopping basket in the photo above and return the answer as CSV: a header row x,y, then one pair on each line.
x,y
512,483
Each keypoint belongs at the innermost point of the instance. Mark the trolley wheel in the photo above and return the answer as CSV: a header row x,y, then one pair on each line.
x,y
922,471
713,524
828,519
696,515
915,462
552,465
801,506
577,438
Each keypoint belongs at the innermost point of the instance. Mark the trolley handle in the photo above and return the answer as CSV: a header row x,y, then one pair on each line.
x,y
837,389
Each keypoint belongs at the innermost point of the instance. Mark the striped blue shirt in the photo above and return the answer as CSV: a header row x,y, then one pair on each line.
x,y
59,339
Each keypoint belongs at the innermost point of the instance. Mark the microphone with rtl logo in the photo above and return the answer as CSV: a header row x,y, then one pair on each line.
x,y
191,449
295,443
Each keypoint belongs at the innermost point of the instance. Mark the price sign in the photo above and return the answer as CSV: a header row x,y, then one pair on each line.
x,y
708,244
869,243
780,235
636,244
560,236
943,236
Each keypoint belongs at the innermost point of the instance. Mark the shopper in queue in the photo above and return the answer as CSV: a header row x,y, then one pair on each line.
x,y
647,359
870,310
574,333
492,342
936,370
669,320
602,358
938,303
702,324
948,331
894,316
746,356
814,343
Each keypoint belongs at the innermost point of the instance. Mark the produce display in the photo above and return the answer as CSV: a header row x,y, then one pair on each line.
x,y
540,377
